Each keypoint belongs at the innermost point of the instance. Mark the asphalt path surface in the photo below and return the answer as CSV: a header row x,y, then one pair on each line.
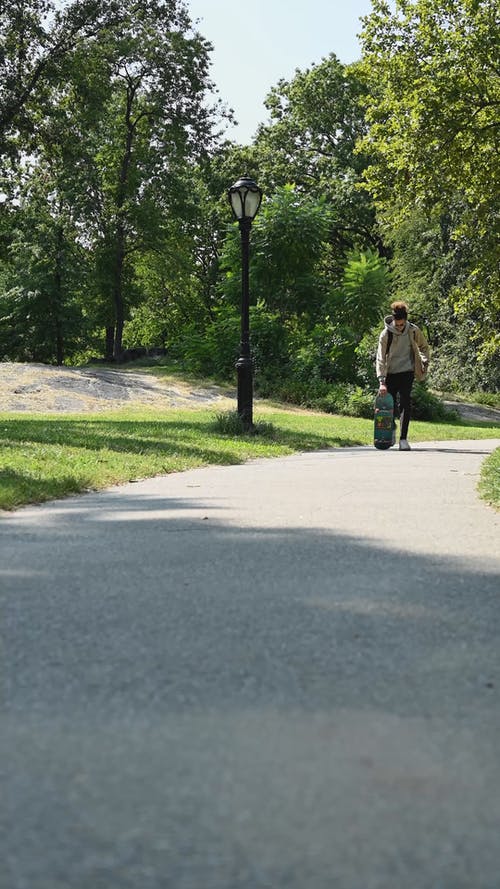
x,y
282,675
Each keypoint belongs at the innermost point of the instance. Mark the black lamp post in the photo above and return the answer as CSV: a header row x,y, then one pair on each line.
x,y
245,197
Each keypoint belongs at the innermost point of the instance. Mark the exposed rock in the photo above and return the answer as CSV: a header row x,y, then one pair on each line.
x,y
48,389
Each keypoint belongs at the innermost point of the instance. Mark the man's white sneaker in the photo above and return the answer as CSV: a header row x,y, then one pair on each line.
x,y
403,445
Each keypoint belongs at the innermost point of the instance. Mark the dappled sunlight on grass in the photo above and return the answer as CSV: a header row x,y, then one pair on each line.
x,y
45,456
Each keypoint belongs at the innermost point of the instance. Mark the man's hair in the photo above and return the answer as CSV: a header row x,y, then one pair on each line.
x,y
399,310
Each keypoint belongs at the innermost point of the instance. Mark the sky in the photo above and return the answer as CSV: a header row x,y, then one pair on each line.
x,y
257,43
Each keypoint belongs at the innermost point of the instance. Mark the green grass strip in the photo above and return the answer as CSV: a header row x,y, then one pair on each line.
x,y
489,483
46,456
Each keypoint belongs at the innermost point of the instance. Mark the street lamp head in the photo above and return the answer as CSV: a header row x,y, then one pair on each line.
x,y
245,197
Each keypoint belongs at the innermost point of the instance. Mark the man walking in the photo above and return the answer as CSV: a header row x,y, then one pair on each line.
x,y
402,356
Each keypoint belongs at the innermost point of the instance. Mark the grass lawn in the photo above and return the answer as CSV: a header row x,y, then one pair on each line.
x,y
45,456
489,484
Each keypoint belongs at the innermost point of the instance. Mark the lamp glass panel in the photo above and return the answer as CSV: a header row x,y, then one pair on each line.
x,y
236,203
252,203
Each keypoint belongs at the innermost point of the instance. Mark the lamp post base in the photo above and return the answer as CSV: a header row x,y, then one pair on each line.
x,y
244,368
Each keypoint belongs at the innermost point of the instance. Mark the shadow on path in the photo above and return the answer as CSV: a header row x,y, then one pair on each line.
x,y
243,707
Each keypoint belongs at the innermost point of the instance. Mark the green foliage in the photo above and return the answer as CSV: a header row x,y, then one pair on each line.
x,y
426,261
319,395
229,423
114,134
364,289
289,390
365,354
146,326
170,298
429,266
36,39
331,350
115,226
41,314
426,405
316,120
154,123
348,400
456,364
324,353
270,340
360,403
434,103
287,244
433,111
212,349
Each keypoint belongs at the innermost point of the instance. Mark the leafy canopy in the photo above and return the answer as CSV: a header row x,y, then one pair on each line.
x,y
434,114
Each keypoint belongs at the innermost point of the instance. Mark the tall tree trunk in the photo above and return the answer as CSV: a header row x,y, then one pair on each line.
x,y
120,244
59,296
110,342
118,292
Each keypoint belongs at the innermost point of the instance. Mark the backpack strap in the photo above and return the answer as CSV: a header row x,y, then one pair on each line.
x,y
389,343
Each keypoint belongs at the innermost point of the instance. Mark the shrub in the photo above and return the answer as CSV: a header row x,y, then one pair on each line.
x,y
426,406
360,404
269,339
194,349
301,392
335,400
459,366
230,423
366,352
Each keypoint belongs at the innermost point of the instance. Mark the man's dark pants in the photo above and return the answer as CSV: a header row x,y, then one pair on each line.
x,y
401,384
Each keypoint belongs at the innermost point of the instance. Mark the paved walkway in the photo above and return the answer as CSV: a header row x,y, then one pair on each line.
x,y
281,675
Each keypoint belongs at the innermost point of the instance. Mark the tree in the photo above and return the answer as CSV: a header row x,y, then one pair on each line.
x,y
435,103
41,315
289,239
35,38
317,119
113,109
434,114
154,125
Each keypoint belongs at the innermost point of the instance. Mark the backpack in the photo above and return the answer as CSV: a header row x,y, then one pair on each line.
x,y
420,373
390,336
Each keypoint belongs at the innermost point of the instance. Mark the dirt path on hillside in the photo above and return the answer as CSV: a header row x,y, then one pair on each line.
x,y
40,387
